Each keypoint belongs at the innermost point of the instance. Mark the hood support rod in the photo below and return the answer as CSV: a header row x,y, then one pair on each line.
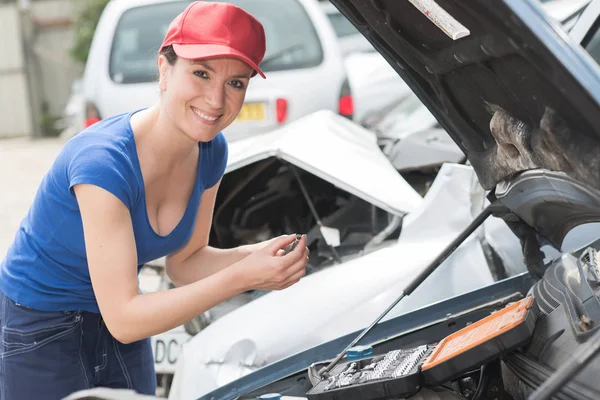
x,y
313,210
485,213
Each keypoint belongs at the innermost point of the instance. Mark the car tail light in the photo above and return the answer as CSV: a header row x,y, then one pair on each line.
x,y
91,115
281,108
91,121
345,102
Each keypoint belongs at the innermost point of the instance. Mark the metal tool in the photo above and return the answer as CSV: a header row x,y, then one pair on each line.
x,y
291,247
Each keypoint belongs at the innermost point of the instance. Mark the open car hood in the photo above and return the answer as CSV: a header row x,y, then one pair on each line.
x,y
508,85
337,150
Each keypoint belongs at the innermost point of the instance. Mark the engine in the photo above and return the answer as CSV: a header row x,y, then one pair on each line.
x,y
267,199
507,354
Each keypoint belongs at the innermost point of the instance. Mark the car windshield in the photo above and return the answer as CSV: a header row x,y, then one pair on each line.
x,y
292,41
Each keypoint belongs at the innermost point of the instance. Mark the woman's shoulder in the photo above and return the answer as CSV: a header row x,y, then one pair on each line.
x,y
104,154
105,141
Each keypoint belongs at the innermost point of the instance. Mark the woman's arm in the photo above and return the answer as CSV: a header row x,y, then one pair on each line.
x,y
112,262
197,260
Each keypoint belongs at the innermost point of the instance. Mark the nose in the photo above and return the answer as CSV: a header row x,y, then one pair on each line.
x,y
215,96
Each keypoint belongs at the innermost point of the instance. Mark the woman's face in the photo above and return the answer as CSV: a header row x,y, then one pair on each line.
x,y
202,97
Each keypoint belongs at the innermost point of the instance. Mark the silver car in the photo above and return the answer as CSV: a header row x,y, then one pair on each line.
x,y
303,62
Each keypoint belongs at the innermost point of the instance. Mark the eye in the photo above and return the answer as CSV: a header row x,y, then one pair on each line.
x,y
237,84
201,74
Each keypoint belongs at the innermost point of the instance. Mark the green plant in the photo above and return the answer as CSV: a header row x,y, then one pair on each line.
x,y
85,27
48,122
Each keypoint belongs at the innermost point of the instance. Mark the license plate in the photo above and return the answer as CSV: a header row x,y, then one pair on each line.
x,y
166,348
252,112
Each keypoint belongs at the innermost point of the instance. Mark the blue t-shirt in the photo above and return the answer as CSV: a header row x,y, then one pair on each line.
x,y
46,267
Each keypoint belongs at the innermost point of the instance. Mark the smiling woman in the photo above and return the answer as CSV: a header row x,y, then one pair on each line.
x,y
130,189
223,81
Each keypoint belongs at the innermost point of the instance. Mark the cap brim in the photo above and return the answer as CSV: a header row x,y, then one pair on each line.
x,y
202,51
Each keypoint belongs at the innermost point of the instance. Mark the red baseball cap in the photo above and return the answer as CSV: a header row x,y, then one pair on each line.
x,y
210,29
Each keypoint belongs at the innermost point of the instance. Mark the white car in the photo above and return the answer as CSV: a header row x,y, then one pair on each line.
x,y
344,298
560,10
281,182
351,40
303,62
411,137
373,82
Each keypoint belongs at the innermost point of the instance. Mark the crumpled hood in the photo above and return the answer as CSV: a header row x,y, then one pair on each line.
x,y
337,150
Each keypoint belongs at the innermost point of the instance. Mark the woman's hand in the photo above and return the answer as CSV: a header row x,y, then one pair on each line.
x,y
267,268
253,248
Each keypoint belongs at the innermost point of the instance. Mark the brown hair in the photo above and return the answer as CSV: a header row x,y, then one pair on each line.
x,y
169,54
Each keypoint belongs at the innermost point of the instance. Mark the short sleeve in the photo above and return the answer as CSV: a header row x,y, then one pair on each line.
x,y
217,153
106,167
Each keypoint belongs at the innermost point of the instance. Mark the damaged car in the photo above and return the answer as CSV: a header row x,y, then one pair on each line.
x,y
411,137
338,300
522,101
337,193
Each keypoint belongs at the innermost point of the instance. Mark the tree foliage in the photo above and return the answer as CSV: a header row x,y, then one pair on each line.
x,y
85,26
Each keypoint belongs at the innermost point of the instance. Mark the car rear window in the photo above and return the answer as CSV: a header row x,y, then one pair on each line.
x,y
292,41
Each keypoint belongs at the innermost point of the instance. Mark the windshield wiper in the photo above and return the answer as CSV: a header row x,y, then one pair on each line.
x,y
480,219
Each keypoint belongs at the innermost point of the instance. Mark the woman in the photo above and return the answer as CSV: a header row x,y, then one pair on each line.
x,y
128,190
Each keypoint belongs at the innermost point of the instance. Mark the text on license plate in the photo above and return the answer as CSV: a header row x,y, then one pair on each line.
x,y
252,112
166,348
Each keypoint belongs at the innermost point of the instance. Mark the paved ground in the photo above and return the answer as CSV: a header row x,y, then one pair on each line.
x,y
23,163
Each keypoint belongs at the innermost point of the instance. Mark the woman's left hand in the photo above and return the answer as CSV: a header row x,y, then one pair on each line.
x,y
251,248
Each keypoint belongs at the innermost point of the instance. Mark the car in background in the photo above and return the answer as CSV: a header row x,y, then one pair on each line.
x,y
351,40
72,118
303,62
411,137
373,83
561,10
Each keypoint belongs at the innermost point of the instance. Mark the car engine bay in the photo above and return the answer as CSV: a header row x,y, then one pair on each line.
x,y
532,346
539,343
272,197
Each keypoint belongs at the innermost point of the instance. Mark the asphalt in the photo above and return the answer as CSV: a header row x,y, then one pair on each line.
x,y
23,163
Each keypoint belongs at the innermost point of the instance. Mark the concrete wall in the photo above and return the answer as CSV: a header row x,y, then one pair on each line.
x,y
37,38
15,106
54,34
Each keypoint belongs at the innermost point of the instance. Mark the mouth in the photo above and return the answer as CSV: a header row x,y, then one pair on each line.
x,y
207,118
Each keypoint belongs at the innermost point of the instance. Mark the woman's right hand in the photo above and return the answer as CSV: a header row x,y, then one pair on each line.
x,y
269,269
